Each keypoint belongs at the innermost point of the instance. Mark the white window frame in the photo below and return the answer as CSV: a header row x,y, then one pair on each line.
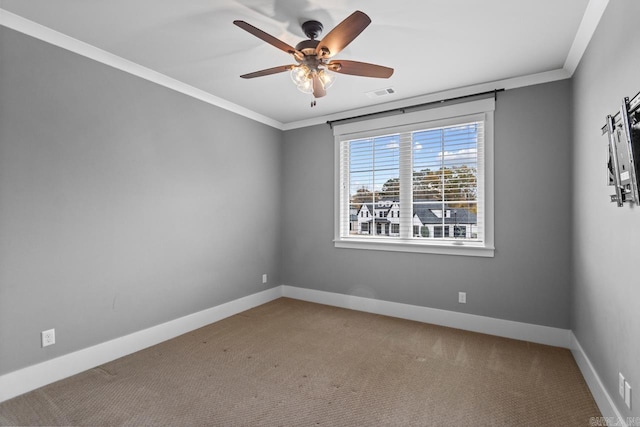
x,y
478,110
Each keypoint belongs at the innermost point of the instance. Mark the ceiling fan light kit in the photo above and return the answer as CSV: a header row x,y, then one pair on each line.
x,y
304,78
314,71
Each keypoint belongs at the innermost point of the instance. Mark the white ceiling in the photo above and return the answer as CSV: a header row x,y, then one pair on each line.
x,y
435,46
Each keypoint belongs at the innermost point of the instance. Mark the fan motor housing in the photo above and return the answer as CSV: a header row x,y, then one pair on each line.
x,y
308,47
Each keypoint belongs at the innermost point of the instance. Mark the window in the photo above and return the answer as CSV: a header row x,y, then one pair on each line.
x,y
433,167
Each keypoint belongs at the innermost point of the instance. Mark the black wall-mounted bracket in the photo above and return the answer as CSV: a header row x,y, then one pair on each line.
x,y
623,130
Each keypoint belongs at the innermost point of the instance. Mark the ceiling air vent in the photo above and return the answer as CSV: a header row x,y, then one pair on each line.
x,y
381,92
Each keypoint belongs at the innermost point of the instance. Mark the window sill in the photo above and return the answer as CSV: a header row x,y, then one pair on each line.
x,y
441,248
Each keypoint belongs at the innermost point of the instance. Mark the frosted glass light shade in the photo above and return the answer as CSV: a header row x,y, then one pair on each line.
x,y
301,77
327,78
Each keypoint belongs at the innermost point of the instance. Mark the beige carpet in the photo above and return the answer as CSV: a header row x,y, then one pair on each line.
x,y
292,363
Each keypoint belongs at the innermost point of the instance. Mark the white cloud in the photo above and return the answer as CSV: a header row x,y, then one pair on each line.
x,y
465,153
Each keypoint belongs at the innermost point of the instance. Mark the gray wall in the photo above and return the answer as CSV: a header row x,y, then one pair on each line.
x,y
529,278
606,244
122,204
120,209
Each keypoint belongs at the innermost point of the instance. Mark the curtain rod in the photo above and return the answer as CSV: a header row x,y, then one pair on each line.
x,y
403,109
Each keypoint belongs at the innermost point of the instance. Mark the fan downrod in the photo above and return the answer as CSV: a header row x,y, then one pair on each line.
x,y
312,29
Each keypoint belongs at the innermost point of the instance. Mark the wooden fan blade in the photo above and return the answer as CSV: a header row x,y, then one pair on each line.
x,y
268,71
267,38
360,69
318,89
343,34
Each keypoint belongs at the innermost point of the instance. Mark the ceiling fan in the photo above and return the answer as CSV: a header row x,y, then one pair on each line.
x,y
312,73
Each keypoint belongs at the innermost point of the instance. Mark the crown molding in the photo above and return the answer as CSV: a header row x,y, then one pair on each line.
x,y
46,34
593,13
590,20
511,83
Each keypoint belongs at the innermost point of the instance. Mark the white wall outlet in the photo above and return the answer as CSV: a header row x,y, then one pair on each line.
x,y
627,394
48,337
264,278
462,297
621,382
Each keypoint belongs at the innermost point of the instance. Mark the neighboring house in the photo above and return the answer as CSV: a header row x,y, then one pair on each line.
x,y
383,212
430,220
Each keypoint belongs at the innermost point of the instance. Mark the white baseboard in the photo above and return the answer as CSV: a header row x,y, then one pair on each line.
x,y
24,380
469,322
601,396
32,377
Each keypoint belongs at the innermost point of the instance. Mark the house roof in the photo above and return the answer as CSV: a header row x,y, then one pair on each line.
x,y
425,212
380,206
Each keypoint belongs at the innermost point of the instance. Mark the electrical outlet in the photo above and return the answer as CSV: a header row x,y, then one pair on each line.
x,y
462,297
621,382
264,278
627,394
48,337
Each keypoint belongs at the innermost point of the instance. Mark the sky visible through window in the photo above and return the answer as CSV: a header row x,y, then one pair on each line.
x,y
376,161
373,162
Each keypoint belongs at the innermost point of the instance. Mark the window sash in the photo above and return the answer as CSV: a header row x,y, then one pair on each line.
x,y
402,128
372,163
